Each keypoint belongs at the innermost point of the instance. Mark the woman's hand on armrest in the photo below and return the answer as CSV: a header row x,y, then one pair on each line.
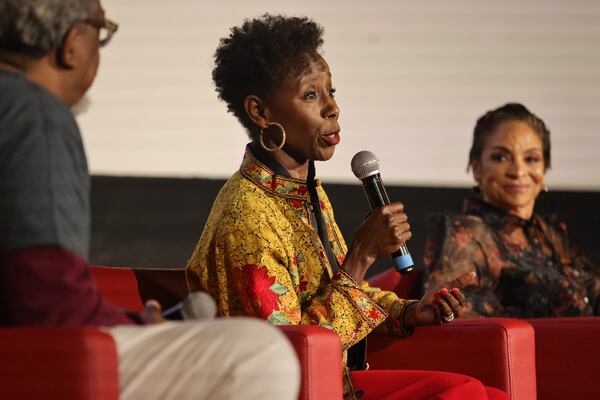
x,y
439,305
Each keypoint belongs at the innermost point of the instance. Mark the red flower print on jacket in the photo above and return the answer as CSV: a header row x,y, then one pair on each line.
x,y
256,290
296,203
302,189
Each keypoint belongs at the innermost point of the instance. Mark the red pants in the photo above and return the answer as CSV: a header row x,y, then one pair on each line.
x,y
422,385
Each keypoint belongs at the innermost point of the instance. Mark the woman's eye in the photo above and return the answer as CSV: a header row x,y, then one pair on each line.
x,y
332,92
310,95
532,159
499,157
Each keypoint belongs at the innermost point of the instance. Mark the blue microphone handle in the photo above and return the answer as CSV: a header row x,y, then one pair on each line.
x,y
377,196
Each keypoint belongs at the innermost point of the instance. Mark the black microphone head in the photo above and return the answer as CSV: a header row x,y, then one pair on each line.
x,y
364,163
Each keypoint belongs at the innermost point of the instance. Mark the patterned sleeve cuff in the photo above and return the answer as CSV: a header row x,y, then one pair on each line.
x,y
398,327
372,313
341,277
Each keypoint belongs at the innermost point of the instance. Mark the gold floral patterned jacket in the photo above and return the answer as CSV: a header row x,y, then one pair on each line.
x,y
260,256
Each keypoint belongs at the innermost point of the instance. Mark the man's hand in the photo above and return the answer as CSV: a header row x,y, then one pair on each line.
x,y
153,312
440,305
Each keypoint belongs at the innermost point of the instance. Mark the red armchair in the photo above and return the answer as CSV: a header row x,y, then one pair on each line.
x,y
58,363
318,349
82,363
499,352
567,354
567,350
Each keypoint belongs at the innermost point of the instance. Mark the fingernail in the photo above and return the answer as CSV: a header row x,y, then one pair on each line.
x,y
444,291
455,291
437,296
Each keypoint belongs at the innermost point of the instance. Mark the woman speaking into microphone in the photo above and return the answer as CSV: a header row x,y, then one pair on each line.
x,y
271,248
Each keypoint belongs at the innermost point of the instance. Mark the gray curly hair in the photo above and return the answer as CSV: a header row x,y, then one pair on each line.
x,y
36,27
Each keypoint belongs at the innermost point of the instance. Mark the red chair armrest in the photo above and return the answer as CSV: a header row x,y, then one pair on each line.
x,y
58,363
405,286
119,286
318,349
320,353
499,352
568,353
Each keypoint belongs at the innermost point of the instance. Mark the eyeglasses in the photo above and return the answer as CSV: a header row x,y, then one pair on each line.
x,y
106,29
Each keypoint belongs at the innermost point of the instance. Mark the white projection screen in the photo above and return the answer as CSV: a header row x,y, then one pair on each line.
x,y
411,77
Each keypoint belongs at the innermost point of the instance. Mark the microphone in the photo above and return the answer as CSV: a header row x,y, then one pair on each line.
x,y
365,167
196,305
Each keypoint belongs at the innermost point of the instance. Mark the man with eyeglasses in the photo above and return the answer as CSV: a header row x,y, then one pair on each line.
x,y
49,56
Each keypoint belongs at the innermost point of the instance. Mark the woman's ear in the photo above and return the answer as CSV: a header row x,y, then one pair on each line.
x,y
254,107
476,167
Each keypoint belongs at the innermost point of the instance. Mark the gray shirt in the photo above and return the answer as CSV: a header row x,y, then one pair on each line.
x,y
44,182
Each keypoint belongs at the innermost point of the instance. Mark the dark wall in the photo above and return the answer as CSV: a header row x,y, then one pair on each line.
x,y
157,221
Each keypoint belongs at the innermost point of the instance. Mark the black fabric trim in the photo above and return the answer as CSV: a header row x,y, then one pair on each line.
x,y
261,155
316,210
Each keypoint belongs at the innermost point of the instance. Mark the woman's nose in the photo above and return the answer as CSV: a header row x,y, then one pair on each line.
x,y
517,169
330,109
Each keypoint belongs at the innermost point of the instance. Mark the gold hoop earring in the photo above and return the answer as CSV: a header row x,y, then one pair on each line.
x,y
283,137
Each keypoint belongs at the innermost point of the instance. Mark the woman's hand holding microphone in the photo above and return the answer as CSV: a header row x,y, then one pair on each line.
x,y
381,234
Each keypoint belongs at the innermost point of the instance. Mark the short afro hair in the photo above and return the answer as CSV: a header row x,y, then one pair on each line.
x,y
487,124
259,55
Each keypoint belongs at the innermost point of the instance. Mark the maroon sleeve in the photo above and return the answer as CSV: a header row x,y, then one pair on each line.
x,y
51,286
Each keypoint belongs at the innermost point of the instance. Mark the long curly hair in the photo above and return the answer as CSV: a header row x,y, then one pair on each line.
x,y
260,54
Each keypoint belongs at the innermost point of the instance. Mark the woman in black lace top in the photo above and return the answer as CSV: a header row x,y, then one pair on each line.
x,y
525,263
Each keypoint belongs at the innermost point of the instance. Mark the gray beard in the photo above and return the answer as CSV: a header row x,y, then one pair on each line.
x,y
82,106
